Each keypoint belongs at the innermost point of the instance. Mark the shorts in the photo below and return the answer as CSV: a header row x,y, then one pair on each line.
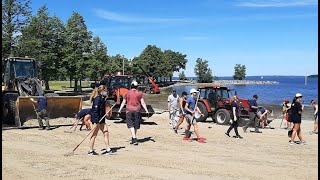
x,y
286,117
96,120
133,119
190,119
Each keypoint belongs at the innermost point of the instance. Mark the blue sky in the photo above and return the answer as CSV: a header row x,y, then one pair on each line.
x,y
274,37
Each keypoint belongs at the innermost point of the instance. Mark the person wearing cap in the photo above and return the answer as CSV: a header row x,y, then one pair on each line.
x,y
234,117
285,109
173,107
315,108
253,115
295,117
42,112
134,100
182,112
191,108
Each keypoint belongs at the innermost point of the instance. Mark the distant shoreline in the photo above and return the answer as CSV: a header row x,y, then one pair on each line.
x,y
225,82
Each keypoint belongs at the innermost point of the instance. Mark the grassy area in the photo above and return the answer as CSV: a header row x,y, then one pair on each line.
x,y
57,85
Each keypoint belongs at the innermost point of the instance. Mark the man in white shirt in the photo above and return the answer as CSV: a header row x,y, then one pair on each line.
x,y
173,107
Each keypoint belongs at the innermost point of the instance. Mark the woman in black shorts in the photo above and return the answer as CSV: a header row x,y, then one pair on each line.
x,y
97,112
295,117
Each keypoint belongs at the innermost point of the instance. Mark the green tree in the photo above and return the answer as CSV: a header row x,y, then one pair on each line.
x,y
182,76
43,39
78,44
202,71
97,60
239,72
173,62
15,16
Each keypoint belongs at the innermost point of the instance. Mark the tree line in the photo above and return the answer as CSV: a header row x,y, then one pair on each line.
x,y
70,51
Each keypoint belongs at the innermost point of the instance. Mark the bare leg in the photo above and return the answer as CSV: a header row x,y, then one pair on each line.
x,y
299,133
94,136
315,125
86,121
295,130
105,132
133,132
179,122
196,130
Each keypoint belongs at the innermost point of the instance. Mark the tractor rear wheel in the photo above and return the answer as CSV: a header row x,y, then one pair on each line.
x,y
204,111
222,117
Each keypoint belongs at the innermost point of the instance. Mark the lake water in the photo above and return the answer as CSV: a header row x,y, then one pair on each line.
x,y
272,93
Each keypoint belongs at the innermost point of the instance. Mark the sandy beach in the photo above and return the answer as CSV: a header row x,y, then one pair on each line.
x,y
161,154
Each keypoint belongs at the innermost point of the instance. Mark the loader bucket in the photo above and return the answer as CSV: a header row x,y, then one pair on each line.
x,y
57,106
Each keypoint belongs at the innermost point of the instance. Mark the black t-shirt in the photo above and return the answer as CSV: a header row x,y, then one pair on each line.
x,y
295,108
252,103
83,113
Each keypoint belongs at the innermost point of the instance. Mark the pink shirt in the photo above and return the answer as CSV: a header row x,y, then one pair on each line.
x,y
133,98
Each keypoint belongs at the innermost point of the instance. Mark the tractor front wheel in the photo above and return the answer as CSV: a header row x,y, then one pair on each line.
x,y
222,117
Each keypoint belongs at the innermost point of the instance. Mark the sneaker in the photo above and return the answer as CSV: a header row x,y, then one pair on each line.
x,y
92,153
110,152
238,137
187,139
258,131
227,134
200,140
291,142
135,141
131,141
303,142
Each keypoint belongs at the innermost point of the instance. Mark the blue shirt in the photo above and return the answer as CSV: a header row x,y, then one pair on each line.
x,y
42,103
83,113
192,103
234,104
252,103
98,109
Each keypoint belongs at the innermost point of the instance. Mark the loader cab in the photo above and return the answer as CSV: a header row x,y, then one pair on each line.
x,y
15,67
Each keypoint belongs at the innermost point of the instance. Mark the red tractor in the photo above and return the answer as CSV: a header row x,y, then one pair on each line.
x,y
215,101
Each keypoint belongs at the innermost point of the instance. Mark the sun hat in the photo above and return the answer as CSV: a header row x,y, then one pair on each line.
x,y
193,91
298,95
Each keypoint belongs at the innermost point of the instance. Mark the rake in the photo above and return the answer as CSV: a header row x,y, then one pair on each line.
x,y
72,152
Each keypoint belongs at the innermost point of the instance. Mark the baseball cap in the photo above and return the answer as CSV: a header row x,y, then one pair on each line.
x,y
134,83
193,91
256,96
286,100
184,93
298,95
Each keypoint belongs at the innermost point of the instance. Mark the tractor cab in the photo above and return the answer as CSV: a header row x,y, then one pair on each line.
x,y
215,95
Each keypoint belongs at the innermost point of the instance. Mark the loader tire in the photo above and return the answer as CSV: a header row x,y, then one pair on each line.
x,y
12,118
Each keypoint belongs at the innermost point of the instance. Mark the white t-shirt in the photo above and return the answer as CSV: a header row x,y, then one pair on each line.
x,y
173,101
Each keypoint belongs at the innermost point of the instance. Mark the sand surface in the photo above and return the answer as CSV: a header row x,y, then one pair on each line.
x,y
161,154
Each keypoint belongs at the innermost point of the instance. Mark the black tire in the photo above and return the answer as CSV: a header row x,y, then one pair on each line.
x,y
204,111
10,99
222,117
51,94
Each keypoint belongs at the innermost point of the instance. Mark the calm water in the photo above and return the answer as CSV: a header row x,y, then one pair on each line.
x,y
273,93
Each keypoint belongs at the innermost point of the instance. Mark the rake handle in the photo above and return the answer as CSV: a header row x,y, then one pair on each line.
x,y
93,128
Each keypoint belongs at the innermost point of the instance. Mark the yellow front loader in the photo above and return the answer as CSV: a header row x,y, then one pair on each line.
x,y
20,83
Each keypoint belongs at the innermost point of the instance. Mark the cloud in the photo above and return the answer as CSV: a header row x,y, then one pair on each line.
x,y
113,16
277,3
